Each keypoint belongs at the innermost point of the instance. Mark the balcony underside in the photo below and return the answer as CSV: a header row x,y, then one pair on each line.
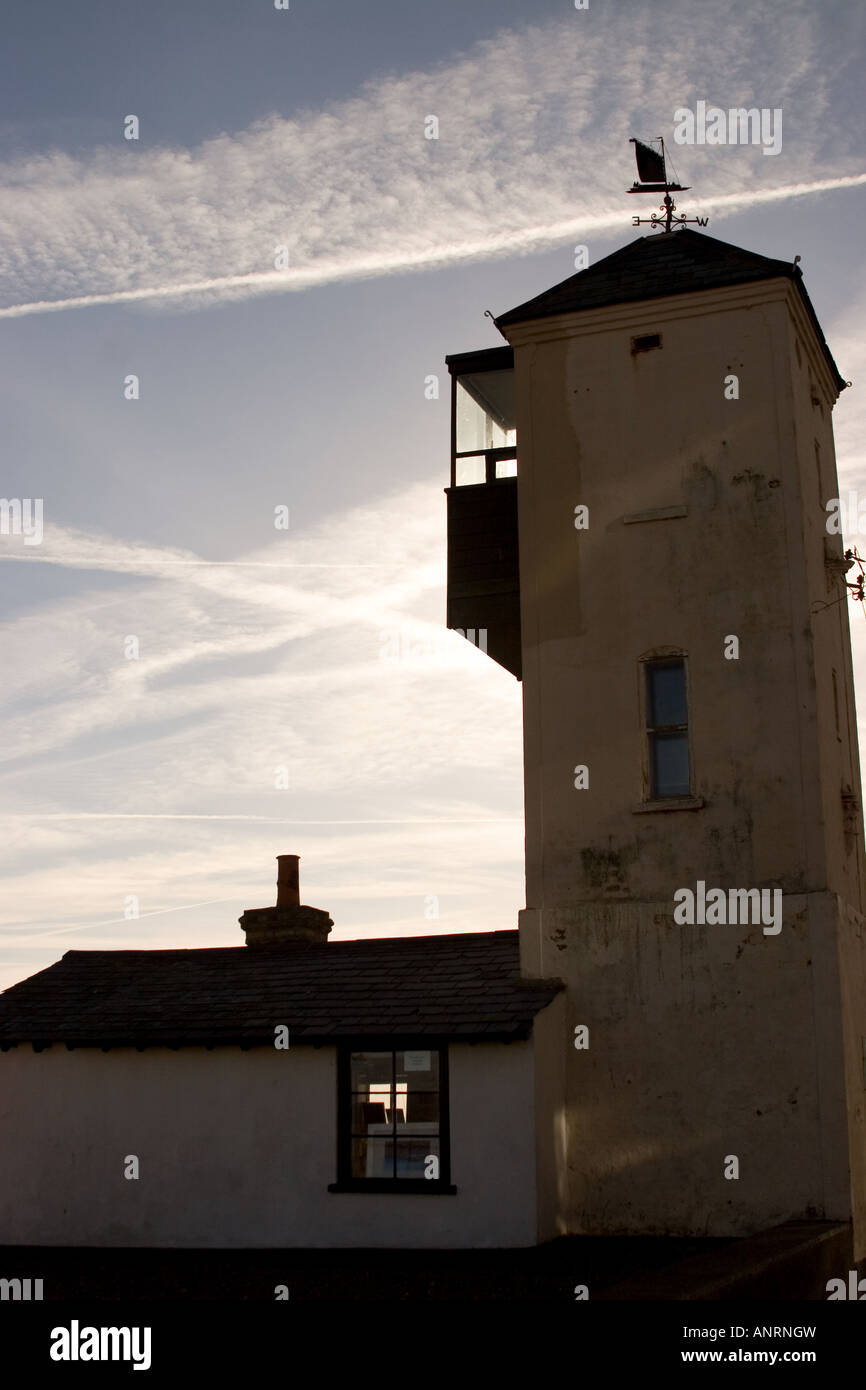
x,y
483,568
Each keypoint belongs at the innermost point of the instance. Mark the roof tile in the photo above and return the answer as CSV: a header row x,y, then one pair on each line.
x,y
465,985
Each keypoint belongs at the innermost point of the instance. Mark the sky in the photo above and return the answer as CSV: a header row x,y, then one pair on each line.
x,y
187,690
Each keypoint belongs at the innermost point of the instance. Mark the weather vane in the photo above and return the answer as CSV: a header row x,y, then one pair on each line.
x,y
653,178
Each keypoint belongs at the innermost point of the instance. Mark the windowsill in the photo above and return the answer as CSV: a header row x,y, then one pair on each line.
x,y
408,1186
656,514
670,803
486,482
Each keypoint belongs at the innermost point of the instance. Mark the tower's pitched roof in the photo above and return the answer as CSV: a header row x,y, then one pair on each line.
x,y
663,264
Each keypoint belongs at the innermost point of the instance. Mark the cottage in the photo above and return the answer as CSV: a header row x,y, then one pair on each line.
x,y
402,1112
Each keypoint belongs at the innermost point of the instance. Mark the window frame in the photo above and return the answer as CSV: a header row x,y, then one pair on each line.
x,y
663,656
475,364
408,1186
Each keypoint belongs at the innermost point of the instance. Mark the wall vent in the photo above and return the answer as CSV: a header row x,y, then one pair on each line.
x,y
646,343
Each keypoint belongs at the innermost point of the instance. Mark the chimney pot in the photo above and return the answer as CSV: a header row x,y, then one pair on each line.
x,y
288,889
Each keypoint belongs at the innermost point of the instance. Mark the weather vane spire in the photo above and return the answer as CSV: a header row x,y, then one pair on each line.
x,y
652,177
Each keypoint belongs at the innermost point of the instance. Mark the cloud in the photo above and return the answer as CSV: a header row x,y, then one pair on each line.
x,y
495,244
528,131
156,777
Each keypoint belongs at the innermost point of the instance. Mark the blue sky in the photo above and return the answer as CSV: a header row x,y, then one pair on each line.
x,y
262,649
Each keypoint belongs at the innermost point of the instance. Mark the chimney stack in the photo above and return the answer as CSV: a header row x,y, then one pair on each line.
x,y
289,923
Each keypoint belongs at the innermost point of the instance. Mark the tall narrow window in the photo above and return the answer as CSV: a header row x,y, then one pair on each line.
x,y
667,728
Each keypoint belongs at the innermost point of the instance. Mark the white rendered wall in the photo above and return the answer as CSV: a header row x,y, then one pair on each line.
x,y
236,1149
706,518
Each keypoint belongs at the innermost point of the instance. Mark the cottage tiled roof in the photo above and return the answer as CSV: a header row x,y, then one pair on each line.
x,y
465,986
663,263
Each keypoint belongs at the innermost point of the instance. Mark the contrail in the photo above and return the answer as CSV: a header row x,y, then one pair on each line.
x,y
114,921
495,244
49,559
267,820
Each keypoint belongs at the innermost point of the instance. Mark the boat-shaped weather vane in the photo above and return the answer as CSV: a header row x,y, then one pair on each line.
x,y
652,177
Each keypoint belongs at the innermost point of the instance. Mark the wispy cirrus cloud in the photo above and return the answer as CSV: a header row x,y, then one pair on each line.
x,y
156,776
523,160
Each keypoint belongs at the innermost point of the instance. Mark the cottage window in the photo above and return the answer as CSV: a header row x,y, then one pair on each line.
x,y
393,1120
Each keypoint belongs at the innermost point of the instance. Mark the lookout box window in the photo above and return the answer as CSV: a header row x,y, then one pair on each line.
x,y
484,427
